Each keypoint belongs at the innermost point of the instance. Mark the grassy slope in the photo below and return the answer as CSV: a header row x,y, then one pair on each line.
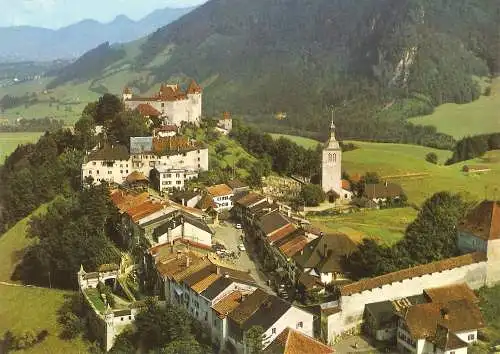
x,y
386,225
10,141
26,308
299,140
395,159
233,153
479,117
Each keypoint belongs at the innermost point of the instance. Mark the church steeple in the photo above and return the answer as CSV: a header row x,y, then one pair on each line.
x,y
332,142
332,130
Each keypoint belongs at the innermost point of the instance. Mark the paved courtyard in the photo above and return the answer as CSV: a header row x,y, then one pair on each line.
x,y
357,344
231,237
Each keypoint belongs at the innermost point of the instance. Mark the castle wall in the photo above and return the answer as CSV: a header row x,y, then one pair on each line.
x,y
352,306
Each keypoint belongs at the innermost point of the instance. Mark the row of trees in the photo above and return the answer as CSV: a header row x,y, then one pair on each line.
x,y
431,237
34,125
474,146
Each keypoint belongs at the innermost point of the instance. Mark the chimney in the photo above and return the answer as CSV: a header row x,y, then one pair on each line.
x,y
188,261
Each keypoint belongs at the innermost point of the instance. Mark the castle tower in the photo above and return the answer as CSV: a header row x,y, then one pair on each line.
x,y
331,165
194,94
127,94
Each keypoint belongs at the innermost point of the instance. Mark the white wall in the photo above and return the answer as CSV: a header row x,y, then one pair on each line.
x,y
332,171
99,170
290,319
465,336
353,306
195,234
224,202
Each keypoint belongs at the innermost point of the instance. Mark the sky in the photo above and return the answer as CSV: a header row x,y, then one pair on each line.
x,y
59,13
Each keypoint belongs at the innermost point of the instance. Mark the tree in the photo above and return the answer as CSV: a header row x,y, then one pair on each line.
x,y
127,124
184,346
85,132
312,194
106,108
253,340
431,157
255,175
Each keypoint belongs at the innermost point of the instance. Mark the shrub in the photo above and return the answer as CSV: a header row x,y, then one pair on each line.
x,y
431,158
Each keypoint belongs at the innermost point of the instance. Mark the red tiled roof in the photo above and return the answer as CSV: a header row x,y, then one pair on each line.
x,y
167,128
291,341
144,209
219,190
124,201
451,293
281,233
346,185
203,284
228,303
413,272
483,221
250,199
292,247
147,110
193,88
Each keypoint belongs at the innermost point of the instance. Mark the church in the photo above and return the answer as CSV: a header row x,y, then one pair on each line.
x,y
171,103
331,170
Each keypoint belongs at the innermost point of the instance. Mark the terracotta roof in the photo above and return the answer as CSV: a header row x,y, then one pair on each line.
x,y
451,293
483,221
281,233
381,190
193,88
413,272
226,116
250,199
291,341
195,265
123,200
356,177
228,303
110,153
309,281
346,185
293,246
457,316
167,128
173,144
147,110
136,177
175,264
144,209
248,307
219,190
203,284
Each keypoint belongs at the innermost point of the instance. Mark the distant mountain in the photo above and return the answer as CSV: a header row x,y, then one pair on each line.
x,y
41,44
375,60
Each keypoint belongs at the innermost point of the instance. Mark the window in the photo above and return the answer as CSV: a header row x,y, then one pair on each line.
x,y
121,165
199,159
452,352
206,316
97,172
169,175
273,330
129,317
90,172
179,182
126,171
300,324
177,175
169,182
121,171
110,172
93,163
471,337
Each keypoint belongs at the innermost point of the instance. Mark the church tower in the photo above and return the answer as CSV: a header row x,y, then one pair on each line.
x,y
331,165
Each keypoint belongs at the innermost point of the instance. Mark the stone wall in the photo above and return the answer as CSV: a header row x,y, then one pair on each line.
x,y
352,306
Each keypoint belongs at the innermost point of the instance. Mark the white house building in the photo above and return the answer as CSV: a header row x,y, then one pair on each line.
x,y
111,163
174,104
222,196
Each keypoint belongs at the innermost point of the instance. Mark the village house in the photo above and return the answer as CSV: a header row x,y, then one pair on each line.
x,y
225,125
271,313
110,163
323,257
381,193
218,296
174,105
165,131
221,196
239,188
250,206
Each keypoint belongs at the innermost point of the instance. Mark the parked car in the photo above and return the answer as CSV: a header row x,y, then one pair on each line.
x,y
241,247
238,226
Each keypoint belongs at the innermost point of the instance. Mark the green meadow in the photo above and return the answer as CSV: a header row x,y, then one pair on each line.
x,y
459,120
299,140
10,141
30,308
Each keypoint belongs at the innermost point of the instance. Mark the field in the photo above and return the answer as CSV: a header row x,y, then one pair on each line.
x,y
10,141
405,164
299,140
387,226
30,308
479,117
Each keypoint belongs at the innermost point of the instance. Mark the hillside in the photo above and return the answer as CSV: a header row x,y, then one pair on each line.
x,y
41,44
405,164
478,117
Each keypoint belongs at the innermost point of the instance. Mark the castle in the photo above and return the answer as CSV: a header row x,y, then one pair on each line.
x,y
171,103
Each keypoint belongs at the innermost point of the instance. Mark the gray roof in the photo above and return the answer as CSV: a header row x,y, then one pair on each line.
x,y
200,224
268,313
272,222
141,144
384,312
217,287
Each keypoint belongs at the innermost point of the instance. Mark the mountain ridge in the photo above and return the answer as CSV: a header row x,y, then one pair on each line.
x,y
25,43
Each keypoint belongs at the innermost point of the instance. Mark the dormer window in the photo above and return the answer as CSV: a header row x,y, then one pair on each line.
x,y
273,330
